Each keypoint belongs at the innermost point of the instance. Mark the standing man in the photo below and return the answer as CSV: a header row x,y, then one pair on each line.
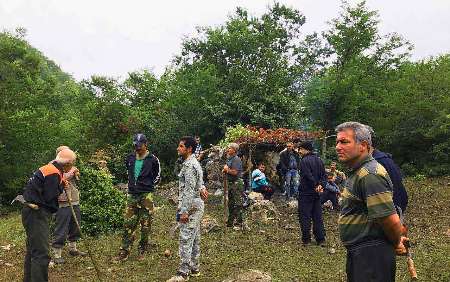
x,y
313,181
233,172
289,165
42,190
143,174
400,196
66,227
190,210
369,226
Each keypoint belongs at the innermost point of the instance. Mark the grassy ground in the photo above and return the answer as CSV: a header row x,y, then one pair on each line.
x,y
270,248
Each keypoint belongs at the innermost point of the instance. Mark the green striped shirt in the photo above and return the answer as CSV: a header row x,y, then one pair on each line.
x,y
367,196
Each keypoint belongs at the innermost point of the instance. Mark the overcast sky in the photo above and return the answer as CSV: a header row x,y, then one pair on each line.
x,y
111,37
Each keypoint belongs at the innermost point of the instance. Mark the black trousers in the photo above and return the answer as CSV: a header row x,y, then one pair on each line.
x,y
310,209
66,226
371,262
37,258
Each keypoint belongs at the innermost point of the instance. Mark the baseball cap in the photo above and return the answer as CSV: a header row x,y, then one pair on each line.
x,y
139,139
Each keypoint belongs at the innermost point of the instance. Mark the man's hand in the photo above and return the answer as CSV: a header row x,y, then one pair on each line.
x,y
400,249
319,189
204,194
225,169
184,217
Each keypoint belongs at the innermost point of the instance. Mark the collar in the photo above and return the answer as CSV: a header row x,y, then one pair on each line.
x,y
189,158
363,162
143,157
58,166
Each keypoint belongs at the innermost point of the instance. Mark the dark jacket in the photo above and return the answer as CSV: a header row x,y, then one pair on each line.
x,y
44,187
147,179
284,160
400,196
312,173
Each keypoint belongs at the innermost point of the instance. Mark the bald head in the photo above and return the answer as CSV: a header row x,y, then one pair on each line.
x,y
66,157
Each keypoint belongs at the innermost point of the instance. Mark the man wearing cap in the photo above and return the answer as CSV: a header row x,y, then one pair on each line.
x,y
65,225
42,190
312,181
143,174
233,172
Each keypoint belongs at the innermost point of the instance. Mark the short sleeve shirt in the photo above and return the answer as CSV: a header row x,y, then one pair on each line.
x,y
367,196
235,163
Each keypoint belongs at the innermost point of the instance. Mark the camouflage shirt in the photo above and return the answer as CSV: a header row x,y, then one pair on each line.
x,y
190,183
367,196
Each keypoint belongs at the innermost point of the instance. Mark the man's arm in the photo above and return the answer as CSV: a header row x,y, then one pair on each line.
x,y
188,191
156,167
393,229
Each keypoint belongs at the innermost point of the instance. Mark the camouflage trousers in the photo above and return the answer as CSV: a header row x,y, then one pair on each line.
x,y
189,249
138,211
235,202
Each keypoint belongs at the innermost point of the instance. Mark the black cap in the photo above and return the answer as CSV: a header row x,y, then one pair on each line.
x,y
139,139
306,145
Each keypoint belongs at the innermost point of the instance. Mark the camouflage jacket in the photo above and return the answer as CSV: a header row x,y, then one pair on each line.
x,y
190,183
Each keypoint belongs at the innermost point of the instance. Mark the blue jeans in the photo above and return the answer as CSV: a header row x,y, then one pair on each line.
x,y
291,179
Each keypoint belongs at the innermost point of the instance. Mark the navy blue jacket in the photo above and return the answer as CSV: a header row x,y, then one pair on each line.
x,y
147,179
44,187
312,173
400,196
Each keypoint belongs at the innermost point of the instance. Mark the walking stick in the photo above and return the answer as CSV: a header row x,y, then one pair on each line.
x,y
225,200
409,261
94,262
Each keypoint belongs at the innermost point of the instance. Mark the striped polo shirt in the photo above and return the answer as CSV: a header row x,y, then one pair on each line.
x,y
366,197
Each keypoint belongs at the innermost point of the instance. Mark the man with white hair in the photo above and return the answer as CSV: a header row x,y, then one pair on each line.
x,y
369,226
233,172
65,226
42,190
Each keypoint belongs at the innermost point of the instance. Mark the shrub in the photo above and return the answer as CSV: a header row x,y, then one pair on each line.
x,y
102,205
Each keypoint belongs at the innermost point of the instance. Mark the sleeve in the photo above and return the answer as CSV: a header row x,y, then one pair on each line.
x,y
377,195
306,172
156,167
236,164
188,191
332,188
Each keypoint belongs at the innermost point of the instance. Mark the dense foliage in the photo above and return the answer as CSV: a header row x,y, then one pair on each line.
x,y
259,71
102,205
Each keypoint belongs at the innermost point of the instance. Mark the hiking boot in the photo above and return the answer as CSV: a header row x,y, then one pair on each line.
x,y
195,273
179,277
122,256
77,253
59,260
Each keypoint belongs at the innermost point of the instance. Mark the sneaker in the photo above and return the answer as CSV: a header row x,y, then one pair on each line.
x,y
58,260
305,243
122,256
195,273
179,277
77,253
